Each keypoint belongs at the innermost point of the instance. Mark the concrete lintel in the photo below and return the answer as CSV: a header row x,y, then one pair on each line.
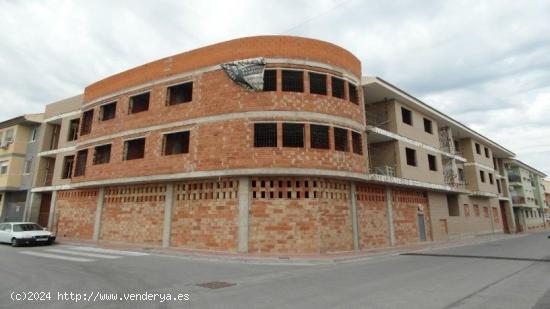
x,y
287,115
55,151
51,216
61,116
483,166
353,205
167,226
389,209
52,188
416,143
99,209
264,171
244,205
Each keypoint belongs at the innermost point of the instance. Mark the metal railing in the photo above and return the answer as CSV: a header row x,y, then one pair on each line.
x,y
518,199
514,178
384,170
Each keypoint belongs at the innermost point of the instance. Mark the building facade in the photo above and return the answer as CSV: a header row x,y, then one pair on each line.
x,y
265,145
527,191
55,157
19,139
459,170
546,184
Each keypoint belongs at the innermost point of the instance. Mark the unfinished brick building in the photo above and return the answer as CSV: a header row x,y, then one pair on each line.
x,y
255,145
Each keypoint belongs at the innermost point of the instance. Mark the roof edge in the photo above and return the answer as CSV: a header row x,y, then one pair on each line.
x,y
365,80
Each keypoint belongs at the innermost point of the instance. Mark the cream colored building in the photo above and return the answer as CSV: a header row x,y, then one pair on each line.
x,y
413,145
527,190
19,139
55,156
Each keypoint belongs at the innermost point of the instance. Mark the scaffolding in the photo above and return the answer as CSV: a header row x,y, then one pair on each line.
x,y
385,170
379,164
450,173
446,142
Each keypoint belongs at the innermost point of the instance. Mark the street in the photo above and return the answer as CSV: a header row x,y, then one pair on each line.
x,y
509,273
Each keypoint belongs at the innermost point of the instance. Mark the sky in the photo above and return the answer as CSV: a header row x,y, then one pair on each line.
x,y
484,63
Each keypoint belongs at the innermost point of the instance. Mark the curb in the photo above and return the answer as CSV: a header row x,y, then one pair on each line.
x,y
305,260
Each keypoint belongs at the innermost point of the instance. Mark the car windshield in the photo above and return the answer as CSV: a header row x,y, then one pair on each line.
x,y
26,227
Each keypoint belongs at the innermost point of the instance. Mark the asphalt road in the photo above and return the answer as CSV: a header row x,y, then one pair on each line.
x,y
511,273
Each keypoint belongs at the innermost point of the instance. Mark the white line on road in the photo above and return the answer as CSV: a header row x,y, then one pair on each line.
x,y
107,251
56,256
93,255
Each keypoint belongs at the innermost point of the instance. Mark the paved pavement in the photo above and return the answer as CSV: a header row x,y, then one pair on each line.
x,y
508,273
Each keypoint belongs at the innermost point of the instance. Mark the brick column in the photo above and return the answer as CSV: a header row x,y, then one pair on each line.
x,y
98,210
353,205
244,204
167,226
389,209
51,215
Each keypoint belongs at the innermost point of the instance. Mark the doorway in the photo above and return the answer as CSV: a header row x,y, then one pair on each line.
x,y
44,213
421,227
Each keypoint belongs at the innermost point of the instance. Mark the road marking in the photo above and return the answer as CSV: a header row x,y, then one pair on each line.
x,y
93,255
107,251
56,256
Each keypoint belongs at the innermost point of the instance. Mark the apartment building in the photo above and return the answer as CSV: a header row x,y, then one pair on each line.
x,y
527,191
55,157
546,183
271,144
19,139
459,170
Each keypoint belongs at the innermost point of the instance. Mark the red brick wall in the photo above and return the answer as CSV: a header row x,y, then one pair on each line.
x,y
405,209
215,94
204,215
299,215
215,146
75,213
283,226
372,219
250,47
133,214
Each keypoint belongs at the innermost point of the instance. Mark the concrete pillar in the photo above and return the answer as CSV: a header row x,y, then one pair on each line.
x,y
98,210
167,227
353,205
32,206
511,217
389,209
26,209
51,216
2,205
244,205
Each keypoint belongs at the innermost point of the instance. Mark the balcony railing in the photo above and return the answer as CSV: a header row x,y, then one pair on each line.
x,y
514,178
518,199
384,170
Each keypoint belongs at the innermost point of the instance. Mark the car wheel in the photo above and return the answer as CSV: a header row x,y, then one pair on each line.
x,y
49,242
14,242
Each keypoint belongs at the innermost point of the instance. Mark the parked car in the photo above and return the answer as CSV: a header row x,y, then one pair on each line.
x,y
23,233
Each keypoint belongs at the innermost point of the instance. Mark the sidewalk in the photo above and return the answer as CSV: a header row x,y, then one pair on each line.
x,y
294,259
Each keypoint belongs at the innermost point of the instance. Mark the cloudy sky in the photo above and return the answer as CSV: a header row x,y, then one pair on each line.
x,y
485,63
